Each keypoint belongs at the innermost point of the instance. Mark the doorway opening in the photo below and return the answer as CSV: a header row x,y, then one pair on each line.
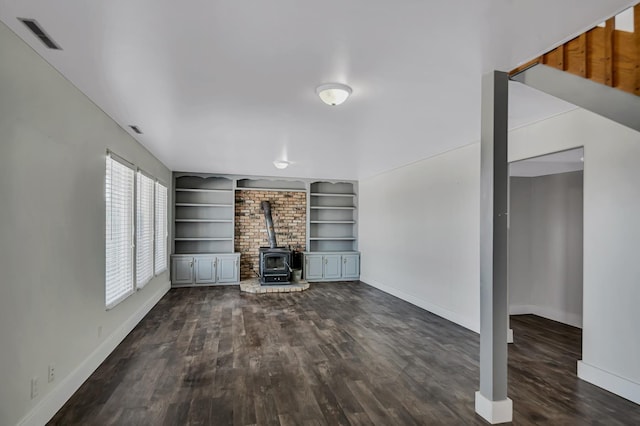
x,y
545,226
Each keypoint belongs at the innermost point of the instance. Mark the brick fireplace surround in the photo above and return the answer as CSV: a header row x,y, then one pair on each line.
x,y
289,211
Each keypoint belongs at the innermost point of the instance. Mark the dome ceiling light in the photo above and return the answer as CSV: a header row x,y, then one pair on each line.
x,y
281,164
333,93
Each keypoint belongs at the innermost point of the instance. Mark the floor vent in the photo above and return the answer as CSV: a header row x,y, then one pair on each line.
x,y
37,30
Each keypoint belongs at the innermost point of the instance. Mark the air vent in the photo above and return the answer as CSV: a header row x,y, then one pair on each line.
x,y
136,129
37,30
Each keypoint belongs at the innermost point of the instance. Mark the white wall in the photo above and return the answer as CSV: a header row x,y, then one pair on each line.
x,y
419,234
53,142
611,341
545,247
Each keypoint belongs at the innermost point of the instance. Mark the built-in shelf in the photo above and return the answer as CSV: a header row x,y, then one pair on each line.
x,y
337,222
204,239
321,194
258,184
203,214
204,220
272,189
332,216
202,205
332,238
202,190
332,207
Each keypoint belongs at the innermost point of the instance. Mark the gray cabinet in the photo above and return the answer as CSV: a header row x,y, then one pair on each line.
x,y
332,269
314,264
182,270
334,266
350,266
228,268
189,270
205,269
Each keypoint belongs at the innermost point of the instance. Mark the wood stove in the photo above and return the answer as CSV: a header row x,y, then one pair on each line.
x,y
274,261
275,265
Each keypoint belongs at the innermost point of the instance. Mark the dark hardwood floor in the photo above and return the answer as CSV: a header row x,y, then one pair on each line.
x,y
339,353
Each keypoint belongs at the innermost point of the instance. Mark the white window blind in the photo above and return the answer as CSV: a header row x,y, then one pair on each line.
x,y
144,229
119,232
161,233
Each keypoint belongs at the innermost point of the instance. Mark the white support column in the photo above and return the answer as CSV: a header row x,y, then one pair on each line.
x,y
491,401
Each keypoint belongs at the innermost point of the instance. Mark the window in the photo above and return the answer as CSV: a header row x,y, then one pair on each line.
x,y
119,186
161,233
144,229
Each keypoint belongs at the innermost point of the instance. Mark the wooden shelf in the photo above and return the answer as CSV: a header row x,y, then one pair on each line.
x,y
202,205
204,220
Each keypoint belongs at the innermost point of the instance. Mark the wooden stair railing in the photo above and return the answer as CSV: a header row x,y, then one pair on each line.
x,y
604,55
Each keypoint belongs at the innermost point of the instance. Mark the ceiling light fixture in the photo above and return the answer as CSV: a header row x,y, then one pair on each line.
x,y
281,164
333,93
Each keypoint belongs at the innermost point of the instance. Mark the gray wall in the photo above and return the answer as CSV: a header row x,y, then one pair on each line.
x,y
53,142
545,246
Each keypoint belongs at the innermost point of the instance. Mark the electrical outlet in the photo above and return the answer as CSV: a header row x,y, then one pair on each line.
x,y
34,387
52,373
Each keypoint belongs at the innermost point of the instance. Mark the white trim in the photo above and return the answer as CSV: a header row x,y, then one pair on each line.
x,y
54,400
494,411
609,381
510,335
568,318
434,309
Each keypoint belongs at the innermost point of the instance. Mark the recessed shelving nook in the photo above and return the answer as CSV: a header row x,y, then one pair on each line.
x,y
204,240
203,215
332,216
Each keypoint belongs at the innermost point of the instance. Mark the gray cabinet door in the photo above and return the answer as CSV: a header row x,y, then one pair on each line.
x,y
332,266
228,269
313,265
205,269
350,266
182,270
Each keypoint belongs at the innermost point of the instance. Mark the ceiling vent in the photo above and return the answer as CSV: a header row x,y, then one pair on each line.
x,y
37,30
136,129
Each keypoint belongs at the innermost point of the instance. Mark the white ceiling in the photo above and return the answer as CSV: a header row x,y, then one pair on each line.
x,y
558,162
228,86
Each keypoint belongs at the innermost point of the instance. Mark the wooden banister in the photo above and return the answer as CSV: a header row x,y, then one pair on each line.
x,y
604,55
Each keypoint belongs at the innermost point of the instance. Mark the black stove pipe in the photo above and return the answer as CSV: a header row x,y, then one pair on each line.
x,y
266,207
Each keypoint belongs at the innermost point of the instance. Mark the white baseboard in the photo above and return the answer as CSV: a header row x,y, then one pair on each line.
x,y
609,381
435,309
568,318
54,400
521,309
494,411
